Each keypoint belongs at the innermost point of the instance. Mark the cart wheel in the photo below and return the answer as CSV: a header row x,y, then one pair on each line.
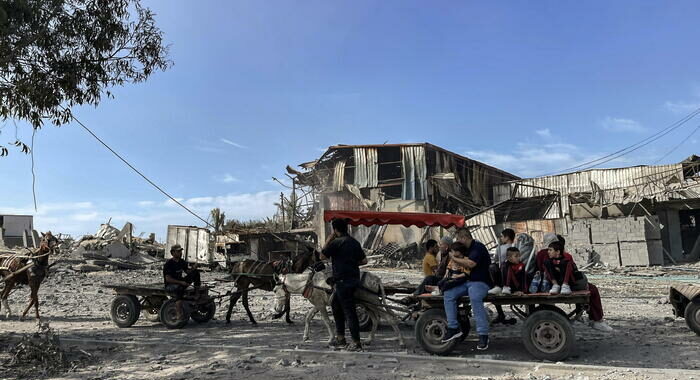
x,y
547,335
125,310
692,316
168,315
363,317
430,328
203,313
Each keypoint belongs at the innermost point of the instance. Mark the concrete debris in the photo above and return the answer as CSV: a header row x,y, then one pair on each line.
x,y
41,354
395,256
111,248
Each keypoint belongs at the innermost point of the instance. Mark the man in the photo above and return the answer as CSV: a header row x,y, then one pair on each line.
x,y
478,262
175,282
346,255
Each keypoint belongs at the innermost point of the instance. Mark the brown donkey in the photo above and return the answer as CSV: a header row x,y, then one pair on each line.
x,y
252,274
27,270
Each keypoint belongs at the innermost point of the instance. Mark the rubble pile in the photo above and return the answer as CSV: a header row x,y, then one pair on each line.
x,y
111,248
41,354
395,256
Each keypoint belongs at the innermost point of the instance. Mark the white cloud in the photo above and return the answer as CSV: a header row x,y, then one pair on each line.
x,y
228,178
79,218
85,217
528,159
622,125
229,142
682,107
544,133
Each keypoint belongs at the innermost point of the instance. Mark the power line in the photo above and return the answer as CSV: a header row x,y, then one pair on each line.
x,y
626,150
678,146
139,173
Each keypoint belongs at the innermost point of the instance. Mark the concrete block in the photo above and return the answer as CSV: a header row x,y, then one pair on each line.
x,y
117,251
648,252
608,254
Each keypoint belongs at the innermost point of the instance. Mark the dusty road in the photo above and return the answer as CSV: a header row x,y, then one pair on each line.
x,y
77,307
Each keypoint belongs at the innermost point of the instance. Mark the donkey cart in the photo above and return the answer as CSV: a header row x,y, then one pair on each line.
x,y
547,331
159,305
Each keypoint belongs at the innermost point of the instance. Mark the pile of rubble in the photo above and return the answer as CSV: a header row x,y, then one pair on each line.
x,y
395,256
111,248
39,355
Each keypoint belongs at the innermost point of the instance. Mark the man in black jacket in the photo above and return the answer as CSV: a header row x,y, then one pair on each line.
x,y
346,255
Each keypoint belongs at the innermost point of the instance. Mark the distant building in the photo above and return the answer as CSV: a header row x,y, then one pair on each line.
x,y
17,231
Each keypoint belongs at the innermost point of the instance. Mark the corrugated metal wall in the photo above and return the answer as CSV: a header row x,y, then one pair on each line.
x,y
618,185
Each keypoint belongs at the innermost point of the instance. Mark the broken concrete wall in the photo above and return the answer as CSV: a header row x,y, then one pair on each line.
x,y
614,242
617,242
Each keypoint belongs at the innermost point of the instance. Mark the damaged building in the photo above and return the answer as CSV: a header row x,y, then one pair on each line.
x,y
642,215
393,177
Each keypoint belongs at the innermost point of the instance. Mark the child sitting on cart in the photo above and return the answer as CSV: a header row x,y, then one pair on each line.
x,y
516,281
456,274
562,272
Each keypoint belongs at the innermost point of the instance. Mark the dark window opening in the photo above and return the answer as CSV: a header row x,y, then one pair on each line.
x,y
393,192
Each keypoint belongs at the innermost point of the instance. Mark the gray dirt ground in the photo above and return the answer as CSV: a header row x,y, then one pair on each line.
x,y
77,307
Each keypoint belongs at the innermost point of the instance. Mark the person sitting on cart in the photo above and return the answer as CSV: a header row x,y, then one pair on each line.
x,y
517,279
562,272
457,274
595,306
478,261
178,277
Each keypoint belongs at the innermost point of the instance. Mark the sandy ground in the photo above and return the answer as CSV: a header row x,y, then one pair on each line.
x,y
77,307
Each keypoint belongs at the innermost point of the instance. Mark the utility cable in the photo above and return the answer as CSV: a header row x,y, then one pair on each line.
x,y
139,173
678,146
626,150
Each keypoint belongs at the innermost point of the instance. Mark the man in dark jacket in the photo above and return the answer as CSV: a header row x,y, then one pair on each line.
x,y
346,256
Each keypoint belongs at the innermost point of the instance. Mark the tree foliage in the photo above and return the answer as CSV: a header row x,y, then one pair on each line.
x,y
218,219
56,54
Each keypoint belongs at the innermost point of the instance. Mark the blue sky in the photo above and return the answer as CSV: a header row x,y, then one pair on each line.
x,y
529,87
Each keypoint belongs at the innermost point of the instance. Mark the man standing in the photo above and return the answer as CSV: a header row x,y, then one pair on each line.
x,y
346,255
478,261
175,282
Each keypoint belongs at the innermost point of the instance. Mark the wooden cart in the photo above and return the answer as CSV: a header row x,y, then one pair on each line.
x,y
159,305
547,333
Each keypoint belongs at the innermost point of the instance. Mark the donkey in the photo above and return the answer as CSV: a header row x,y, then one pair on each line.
x,y
252,274
313,286
38,262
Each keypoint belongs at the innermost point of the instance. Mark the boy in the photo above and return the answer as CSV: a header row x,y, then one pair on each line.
x,y
499,269
516,277
561,271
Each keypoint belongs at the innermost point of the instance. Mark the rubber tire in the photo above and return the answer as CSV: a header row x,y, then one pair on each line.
x,y
552,319
363,317
431,344
168,313
125,303
205,317
692,316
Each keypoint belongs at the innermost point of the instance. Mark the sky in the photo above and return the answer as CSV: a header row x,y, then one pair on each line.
x,y
528,87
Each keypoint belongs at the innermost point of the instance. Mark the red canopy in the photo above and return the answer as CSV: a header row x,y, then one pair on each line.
x,y
371,218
